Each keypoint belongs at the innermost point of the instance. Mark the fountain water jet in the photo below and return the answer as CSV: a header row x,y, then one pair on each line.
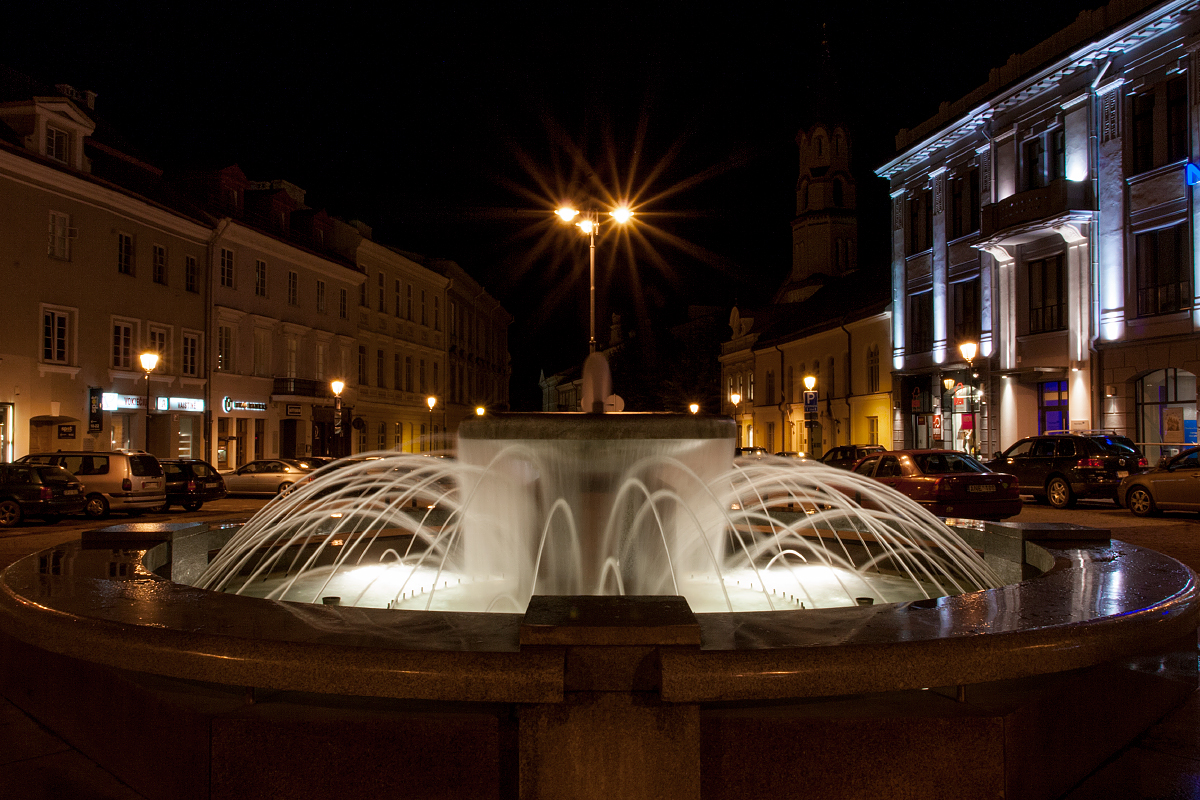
x,y
591,504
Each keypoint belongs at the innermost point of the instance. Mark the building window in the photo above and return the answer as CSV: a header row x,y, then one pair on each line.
x,y
1057,162
124,254
437,323
293,354
321,297
1047,295
770,387
421,377
770,437
191,274
1159,131
319,362
225,360
437,384
964,203
872,430
423,320
262,352
397,383
343,304
362,365
260,278
122,345
920,322
58,144
873,370
60,236
1163,269
1033,154
293,288
964,298
1053,413
362,295
380,293
920,221
1166,412
158,266
408,303
408,374
190,364
379,371
158,344
396,300
750,386
227,274
56,333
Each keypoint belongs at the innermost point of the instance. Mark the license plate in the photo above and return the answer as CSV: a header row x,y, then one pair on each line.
x,y
70,491
212,485
1122,473
981,487
150,484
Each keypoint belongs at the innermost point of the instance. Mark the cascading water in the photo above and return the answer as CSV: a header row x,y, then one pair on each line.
x,y
593,504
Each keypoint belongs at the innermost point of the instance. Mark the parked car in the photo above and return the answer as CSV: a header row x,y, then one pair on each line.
x,y
1062,467
750,452
791,454
265,476
947,482
1173,485
847,455
130,482
37,490
191,483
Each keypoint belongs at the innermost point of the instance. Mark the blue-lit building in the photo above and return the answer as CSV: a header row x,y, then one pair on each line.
x,y
1047,218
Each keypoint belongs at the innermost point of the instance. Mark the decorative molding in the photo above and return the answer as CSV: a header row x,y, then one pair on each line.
x,y
1110,119
985,177
939,193
898,211
61,369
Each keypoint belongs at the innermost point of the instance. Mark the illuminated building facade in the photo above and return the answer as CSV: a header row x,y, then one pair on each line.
x,y
1047,217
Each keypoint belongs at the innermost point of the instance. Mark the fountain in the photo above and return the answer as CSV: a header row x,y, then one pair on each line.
x,y
596,606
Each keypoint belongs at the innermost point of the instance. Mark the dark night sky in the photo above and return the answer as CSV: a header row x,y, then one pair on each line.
x,y
454,131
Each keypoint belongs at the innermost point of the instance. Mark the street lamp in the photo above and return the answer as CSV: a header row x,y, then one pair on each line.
x,y
337,387
589,224
810,417
149,362
736,398
968,350
431,401
694,407
480,411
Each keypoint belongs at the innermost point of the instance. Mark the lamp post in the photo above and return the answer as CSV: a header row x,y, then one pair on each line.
x,y
810,402
431,401
149,362
589,224
337,387
968,350
736,398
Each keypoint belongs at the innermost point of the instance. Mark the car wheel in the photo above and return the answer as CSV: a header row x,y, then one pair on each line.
x,y
97,507
192,505
10,513
1059,493
1140,502
283,488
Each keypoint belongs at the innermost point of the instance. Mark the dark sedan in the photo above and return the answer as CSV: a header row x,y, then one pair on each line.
x,y
38,490
946,482
1173,485
191,483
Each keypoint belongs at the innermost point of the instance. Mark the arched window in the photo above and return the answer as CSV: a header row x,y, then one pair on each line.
x,y
838,197
1166,412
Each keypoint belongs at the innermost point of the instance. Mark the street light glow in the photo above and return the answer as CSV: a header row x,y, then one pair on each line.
x,y
337,387
586,225
621,214
567,213
968,350
694,407
149,361
735,398
480,411
431,401
809,382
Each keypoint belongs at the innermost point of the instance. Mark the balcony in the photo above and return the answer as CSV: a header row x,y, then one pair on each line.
x,y
300,387
1026,209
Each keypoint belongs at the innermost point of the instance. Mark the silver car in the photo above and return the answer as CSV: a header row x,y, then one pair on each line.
x,y
268,476
1174,485
127,481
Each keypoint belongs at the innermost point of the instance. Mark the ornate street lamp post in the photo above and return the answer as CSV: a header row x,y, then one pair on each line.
x,y
149,362
968,350
431,401
337,387
589,224
736,398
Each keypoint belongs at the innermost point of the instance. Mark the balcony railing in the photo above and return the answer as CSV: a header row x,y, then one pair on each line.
x,y
1053,200
301,387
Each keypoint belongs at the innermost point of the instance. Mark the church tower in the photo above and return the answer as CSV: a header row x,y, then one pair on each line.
x,y
825,228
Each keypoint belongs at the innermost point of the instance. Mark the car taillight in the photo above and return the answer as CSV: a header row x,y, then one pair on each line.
x,y
1143,463
44,493
191,486
1091,463
943,487
126,485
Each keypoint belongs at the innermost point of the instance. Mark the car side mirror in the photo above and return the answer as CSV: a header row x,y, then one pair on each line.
x,y
997,454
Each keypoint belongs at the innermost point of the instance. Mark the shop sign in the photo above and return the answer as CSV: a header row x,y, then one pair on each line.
x,y
95,409
293,409
179,404
66,431
228,404
111,401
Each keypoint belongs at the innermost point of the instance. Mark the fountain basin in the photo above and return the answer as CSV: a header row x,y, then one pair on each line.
x,y
569,698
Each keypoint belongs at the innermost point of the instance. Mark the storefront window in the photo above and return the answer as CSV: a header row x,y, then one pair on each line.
x,y
1166,412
